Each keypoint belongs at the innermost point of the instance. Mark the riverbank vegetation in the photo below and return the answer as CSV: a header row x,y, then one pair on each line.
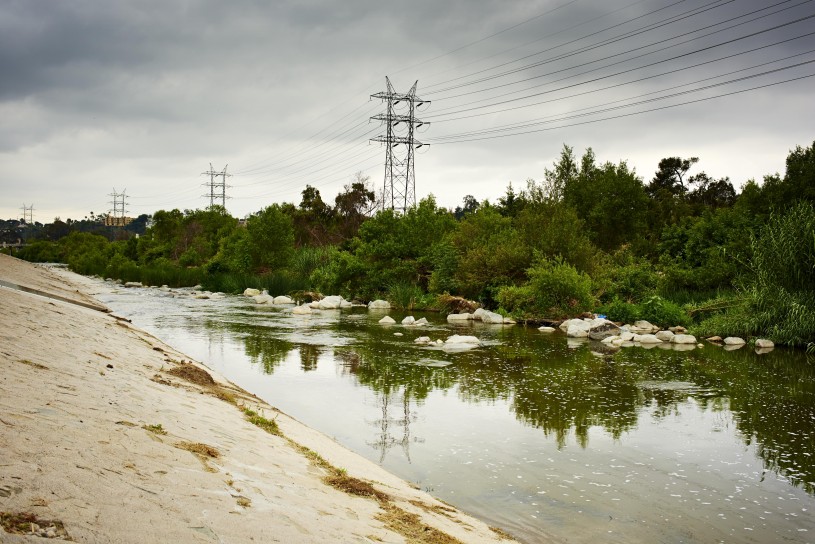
x,y
681,248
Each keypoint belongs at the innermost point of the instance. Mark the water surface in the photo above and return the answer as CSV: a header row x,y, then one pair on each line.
x,y
548,438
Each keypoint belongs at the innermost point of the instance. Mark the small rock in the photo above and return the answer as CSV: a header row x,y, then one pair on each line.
x,y
408,321
459,317
134,284
626,336
249,292
387,320
546,329
422,340
734,341
398,334
379,305
263,299
305,309
420,322
714,339
678,330
282,299
492,317
763,343
331,303
602,328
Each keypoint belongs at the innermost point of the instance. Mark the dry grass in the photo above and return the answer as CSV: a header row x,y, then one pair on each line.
x,y
199,449
192,374
412,528
155,429
268,425
26,523
33,364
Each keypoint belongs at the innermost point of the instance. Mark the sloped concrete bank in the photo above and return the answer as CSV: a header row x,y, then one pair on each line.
x,y
109,435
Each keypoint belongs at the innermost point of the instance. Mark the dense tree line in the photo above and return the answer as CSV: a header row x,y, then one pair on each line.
x,y
682,248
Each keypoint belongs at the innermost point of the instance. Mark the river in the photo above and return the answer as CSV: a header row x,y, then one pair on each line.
x,y
540,435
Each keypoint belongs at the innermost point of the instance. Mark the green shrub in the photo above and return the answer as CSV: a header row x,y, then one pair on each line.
x,y
663,312
555,289
620,311
404,295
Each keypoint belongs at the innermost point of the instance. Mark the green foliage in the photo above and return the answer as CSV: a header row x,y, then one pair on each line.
x,y
404,295
620,311
271,238
779,292
41,251
663,312
625,277
555,289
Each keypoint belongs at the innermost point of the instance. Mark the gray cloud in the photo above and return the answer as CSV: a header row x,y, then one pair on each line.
x,y
146,94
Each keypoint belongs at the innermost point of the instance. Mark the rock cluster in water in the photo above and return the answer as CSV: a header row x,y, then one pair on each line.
x,y
482,315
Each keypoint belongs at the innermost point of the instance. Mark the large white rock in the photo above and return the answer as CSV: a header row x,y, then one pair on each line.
x,y
314,305
647,339
408,321
249,292
644,326
565,325
763,343
461,339
626,336
263,299
420,322
479,314
578,328
301,310
734,341
459,317
684,339
346,304
387,320
665,336
492,317
134,284
282,299
332,302
379,305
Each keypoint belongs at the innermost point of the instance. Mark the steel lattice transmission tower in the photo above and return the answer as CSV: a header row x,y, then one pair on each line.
x,y
118,210
399,192
216,187
28,214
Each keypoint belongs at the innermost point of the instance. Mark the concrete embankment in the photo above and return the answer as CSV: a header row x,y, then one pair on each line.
x,y
109,435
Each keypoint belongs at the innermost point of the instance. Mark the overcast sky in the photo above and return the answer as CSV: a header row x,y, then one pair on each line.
x,y
143,96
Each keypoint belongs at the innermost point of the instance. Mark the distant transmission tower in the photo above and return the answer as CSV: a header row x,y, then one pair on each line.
x,y
217,189
118,212
399,192
28,214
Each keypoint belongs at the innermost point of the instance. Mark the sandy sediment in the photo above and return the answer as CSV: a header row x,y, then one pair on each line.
x,y
109,435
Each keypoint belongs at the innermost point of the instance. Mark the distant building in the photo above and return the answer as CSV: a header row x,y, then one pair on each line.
x,y
111,221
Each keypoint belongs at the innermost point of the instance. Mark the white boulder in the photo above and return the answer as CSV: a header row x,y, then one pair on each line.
x,y
420,322
250,292
282,299
314,305
387,320
461,339
422,340
409,321
566,324
763,343
263,299
301,310
379,305
684,339
665,336
626,336
734,341
332,302
647,339
479,314
459,317
492,317
643,326
546,329
578,328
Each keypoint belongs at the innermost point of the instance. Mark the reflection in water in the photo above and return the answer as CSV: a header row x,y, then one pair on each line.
x,y
553,387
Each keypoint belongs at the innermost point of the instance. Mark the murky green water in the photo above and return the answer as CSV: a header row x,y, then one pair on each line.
x,y
532,433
